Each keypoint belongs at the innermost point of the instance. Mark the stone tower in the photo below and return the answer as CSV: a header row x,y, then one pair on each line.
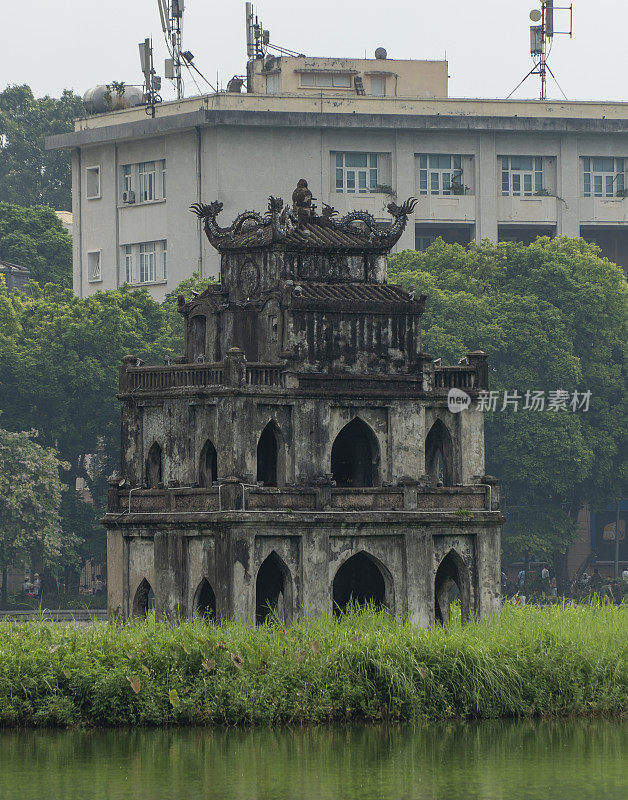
x,y
302,451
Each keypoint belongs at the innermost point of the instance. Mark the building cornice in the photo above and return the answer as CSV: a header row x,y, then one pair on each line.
x,y
300,112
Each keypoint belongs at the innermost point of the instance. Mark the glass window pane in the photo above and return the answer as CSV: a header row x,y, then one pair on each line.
x,y
597,185
587,183
457,162
619,164
446,182
343,81
339,180
355,159
362,180
372,178
339,159
323,80
603,165
423,179
516,183
372,159
307,79
505,183
527,183
423,162
619,183
350,181
586,163
538,181
609,185
538,164
433,162
434,182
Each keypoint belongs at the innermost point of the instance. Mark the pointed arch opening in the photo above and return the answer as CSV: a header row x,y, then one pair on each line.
x,y
355,455
451,583
439,455
144,600
273,590
205,600
198,333
362,579
271,457
154,466
208,465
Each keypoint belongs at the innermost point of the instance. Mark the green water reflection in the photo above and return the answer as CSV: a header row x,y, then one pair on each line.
x,y
487,761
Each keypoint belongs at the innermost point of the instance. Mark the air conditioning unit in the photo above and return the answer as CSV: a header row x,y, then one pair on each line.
x,y
128,197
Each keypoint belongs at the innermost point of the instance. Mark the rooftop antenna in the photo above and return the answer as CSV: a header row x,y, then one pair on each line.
x,y
171,14
152,81
257,38
540,36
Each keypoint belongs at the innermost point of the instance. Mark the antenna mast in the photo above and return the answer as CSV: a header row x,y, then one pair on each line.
x,y
171,14
540,36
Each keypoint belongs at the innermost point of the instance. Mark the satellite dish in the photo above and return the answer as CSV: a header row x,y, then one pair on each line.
x,y
535,15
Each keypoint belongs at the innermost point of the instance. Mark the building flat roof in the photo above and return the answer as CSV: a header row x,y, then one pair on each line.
x,y
392,113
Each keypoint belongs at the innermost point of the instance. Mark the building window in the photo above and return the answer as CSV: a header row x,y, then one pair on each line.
x,y
272,84
144,182
378,86
603,177
94,271
92,183
357,172
522,176
422,242
325,80
147,262
164,260
146,172
127,178
440,174
128,264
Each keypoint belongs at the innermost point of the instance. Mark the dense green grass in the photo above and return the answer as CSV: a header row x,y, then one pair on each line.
x,y
365,666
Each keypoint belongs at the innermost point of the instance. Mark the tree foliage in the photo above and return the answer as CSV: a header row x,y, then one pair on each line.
x,y
550,316
30,496
35,238
29,174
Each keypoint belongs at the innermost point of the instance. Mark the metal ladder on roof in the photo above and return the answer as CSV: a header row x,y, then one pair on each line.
x,y
359,85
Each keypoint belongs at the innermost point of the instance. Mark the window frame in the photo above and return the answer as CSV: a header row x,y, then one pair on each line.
x,y
374,79
348,177
145,268
93,277
272,80
128,263
522,181
334,80
94,169
436,180
616,179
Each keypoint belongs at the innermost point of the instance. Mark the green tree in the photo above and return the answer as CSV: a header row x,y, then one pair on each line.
x,y
29,174
550,316
30,495
35,238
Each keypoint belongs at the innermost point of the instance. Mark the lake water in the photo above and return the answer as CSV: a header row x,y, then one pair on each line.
x,y
564,760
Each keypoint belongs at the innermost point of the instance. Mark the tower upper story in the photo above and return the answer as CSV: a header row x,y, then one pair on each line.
x,y
306,288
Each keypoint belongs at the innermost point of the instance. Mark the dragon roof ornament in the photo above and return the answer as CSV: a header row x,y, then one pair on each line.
x,y
300,228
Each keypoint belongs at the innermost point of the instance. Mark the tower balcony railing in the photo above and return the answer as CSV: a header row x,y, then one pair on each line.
x,y
235,496
235,371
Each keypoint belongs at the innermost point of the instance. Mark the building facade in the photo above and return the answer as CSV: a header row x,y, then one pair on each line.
x,y
496,169
302,451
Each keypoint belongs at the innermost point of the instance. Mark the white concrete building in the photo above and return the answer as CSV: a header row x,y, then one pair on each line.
x,y
480,168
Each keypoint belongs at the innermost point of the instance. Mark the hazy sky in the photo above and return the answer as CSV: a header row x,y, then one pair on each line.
x,y
76,44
